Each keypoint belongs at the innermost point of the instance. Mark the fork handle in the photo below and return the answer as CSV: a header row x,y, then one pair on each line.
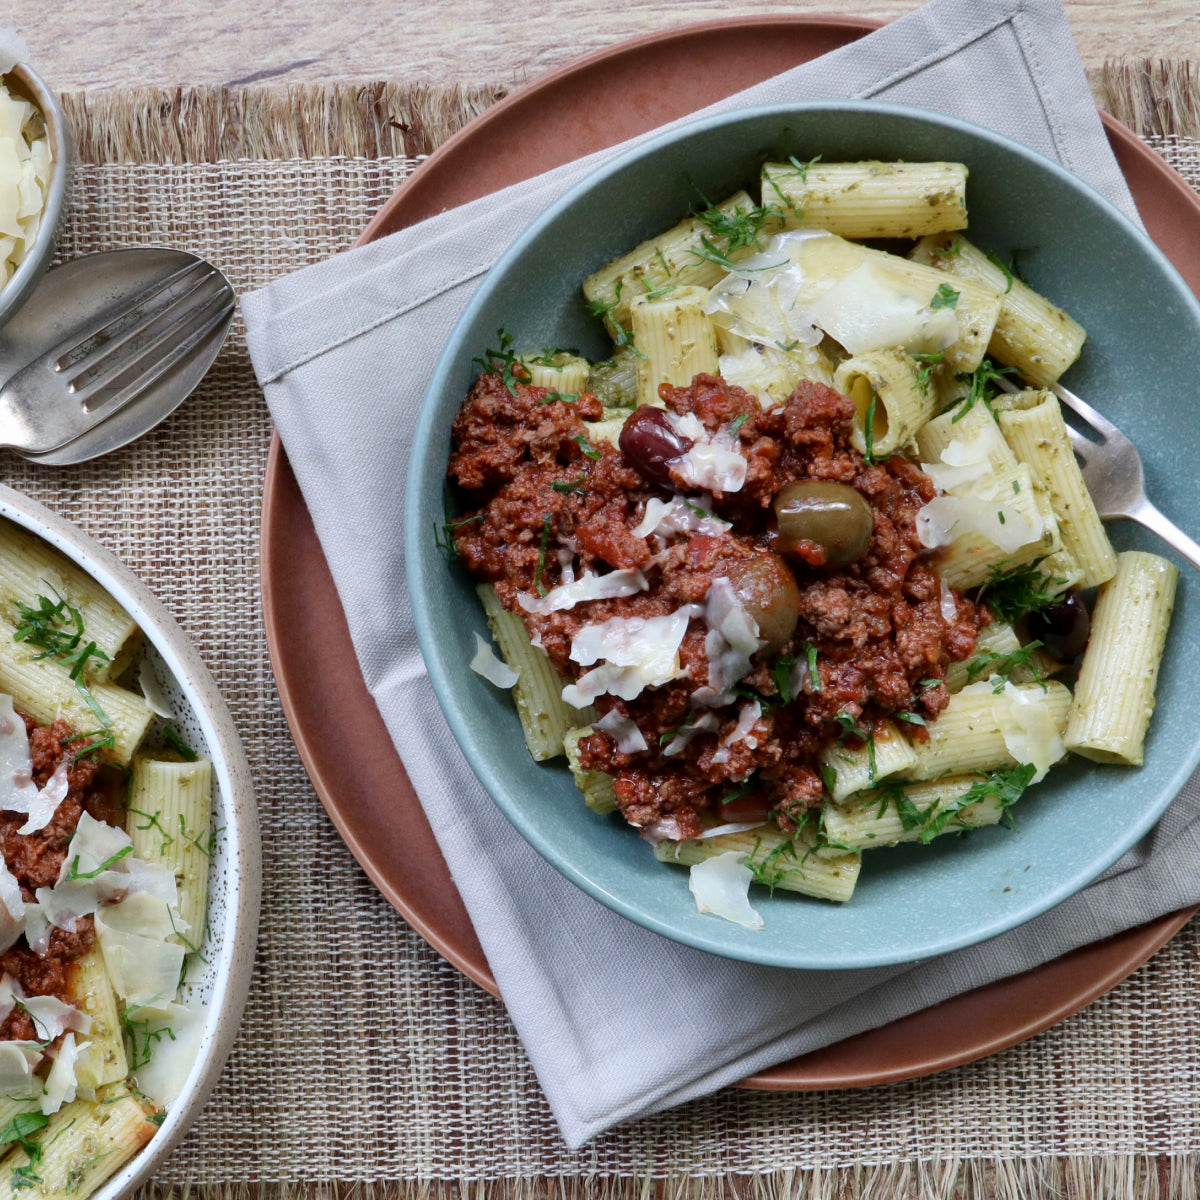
x,y
1149,516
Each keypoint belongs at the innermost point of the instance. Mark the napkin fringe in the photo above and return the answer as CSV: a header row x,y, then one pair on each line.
x,y
223,123
1115,1177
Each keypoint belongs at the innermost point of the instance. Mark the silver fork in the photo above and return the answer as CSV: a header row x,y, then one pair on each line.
x,y
100,368
1112,470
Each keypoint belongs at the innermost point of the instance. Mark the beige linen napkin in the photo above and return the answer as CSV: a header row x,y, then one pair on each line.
x,y
618,1021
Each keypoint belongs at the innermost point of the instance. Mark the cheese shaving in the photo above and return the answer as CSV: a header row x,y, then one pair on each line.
x,y
486,663
721,886
623,731
635,652
587,587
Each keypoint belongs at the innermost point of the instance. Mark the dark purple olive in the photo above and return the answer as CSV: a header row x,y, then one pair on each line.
x,y
1062,628
649,443
768,592
833,515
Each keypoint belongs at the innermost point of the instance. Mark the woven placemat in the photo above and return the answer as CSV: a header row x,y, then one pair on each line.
x,y
366,1064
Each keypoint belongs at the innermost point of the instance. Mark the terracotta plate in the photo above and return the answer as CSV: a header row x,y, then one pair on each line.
x,y
374,808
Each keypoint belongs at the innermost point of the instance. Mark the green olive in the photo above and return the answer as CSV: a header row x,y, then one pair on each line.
x,y
767,590
833,515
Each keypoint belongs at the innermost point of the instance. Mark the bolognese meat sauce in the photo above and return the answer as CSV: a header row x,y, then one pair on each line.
x,y
782,566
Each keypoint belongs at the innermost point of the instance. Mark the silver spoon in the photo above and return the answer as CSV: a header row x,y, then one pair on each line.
x,y
152,318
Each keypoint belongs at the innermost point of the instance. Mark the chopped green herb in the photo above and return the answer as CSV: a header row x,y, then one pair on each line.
x,y
788,347
1002,665
74,872
157,1118
981,381
21,1130
25,1177
586,446
745,788
911,717
1006,785
814,675
850,727
575,485
801,169
829,777
1010,592
565,397
143,1036
512,370
781,674
56,628
925,370
1008,275
172,738
869,429
736,424
944,297
443,535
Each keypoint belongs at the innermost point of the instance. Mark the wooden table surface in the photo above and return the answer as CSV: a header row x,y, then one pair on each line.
x,y
126,43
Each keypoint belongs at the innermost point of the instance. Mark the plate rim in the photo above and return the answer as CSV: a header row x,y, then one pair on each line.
x,y
1127,951
231,986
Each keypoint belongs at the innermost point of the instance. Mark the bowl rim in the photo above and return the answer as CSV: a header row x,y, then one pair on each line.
x,y
425,449
231,971
25,278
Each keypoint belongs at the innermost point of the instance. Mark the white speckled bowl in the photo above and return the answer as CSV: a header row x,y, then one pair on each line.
x,y
236,870
23,81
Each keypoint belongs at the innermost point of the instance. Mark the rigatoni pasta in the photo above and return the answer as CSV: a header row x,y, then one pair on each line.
x,y
798,592
90,1064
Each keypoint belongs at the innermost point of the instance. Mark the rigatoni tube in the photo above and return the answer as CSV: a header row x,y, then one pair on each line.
x,y
1114,696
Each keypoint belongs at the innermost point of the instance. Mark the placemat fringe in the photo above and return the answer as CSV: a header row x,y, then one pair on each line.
x,y
1154,97
213,124
378,119
1117,1177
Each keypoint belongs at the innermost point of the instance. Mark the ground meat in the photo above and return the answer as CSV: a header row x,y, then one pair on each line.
x,y
36,859
543,502
44,975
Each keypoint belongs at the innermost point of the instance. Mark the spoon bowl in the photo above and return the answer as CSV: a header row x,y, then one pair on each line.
x,y
83,295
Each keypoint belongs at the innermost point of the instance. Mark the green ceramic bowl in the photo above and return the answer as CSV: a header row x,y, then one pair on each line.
x,y
1139,368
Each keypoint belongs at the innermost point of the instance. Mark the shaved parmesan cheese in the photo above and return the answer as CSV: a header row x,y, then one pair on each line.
x,y
637,653
143,970
94,843
17,1061
685,733
51,1016
946,518
761,300
731,641
665,829
45,804
948,603
37,928
154,692
17,789
1029,729
678,515
748,716
587,587
60,1083
721,886
486,663
25,168
163,1077
733,827
875,307
623,731
714,461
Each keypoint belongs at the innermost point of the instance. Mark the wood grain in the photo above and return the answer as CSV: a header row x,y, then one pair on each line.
x,y
126,43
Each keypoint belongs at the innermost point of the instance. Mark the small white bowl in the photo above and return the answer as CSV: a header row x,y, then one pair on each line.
x,y
235,880
23,81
